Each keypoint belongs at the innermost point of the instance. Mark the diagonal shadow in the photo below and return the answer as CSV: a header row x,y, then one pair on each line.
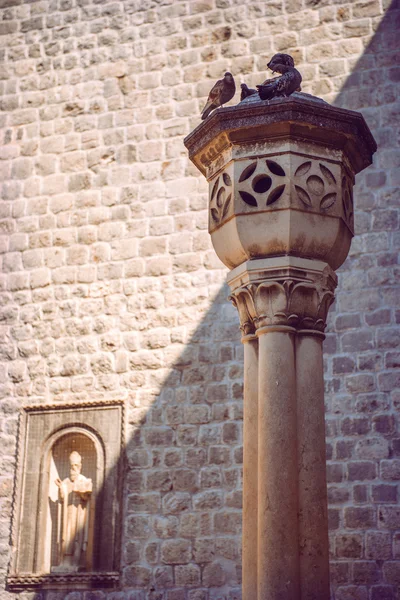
x,y
372,89
183,484
183,478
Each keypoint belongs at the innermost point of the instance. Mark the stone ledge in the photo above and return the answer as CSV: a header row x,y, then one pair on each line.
x,y
257,270
297,116
67,581
72,405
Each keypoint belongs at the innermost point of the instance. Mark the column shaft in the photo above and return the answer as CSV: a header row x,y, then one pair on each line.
x,y
278,555
313,518
250,456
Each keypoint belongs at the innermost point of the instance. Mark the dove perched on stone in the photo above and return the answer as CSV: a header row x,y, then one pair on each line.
x,y
222,92
246,91
285,85
278,60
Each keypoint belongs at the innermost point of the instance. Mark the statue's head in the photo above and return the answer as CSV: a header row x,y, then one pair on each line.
x,y
75,462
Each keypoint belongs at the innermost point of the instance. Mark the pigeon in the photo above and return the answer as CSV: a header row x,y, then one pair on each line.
x,y
285,85
246,91
280,59
222,92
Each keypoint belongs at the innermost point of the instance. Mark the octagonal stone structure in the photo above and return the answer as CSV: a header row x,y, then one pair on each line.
x,y
281,175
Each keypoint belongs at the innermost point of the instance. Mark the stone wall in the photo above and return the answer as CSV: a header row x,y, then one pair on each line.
x,y
110,287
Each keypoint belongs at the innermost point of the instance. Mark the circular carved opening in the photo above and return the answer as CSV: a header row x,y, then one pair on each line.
x,y
261,184
315,184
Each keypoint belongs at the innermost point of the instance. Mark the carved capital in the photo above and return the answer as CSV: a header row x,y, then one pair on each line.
x,y
243,300
286,296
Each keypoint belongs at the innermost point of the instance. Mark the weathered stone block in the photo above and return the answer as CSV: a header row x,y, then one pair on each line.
x,y
176,552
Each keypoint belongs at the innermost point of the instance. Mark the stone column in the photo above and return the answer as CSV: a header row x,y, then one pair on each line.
x,y
281,219
313,518
286,301
250,474
278,566
250,446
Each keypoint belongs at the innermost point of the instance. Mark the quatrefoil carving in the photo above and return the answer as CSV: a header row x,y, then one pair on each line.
x,y
315,185
261,183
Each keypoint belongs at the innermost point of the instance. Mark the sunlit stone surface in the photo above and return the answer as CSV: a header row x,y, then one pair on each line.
x,y
280,178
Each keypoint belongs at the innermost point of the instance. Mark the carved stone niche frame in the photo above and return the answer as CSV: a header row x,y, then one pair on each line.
x,y
48,434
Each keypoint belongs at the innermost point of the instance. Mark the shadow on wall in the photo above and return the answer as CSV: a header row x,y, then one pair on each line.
x,y
375,76
367,285
183,479
182,484
373,89
182,491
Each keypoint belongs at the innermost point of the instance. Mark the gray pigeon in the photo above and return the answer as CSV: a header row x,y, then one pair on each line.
x,y
285,85
280,59
246,91
222,92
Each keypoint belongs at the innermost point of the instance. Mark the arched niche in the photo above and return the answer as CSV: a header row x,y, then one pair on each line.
x,y
47,436
55,465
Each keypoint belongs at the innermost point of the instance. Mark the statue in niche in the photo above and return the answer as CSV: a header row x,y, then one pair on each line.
x,y
74,494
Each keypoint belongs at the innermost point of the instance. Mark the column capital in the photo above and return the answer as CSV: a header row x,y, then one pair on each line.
x,y
283,292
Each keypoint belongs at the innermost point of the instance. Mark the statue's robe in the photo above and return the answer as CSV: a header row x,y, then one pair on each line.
x,y
73,523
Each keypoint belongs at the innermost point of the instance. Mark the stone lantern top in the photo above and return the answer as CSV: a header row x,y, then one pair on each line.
x,y
281,174
300,116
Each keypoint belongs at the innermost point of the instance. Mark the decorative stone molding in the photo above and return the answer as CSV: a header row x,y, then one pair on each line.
x,y
301,116
220,199
347,202
289,181
296,295
280,178
51,406
47,435
75,581
287,303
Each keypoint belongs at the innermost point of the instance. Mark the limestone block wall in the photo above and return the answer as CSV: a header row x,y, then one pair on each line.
x,y
110,287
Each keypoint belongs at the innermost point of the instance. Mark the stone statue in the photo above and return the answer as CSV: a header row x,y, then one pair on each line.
x,y
222,92
73,517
